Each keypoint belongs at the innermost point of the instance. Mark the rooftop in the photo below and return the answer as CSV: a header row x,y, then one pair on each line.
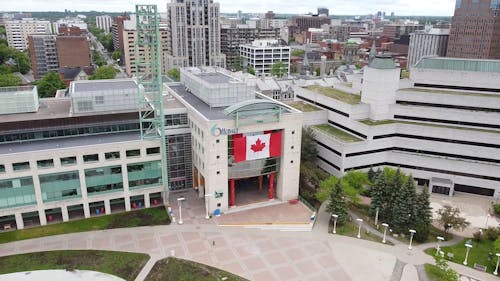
x,y
459,64
61,143
211,113
336,94
303,106
105,85
449,92
370,122
383,62
337,133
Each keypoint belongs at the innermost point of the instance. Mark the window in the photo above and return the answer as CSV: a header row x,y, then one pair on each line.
x,y
2,168
217,141
21,166
67,161
47,163
91,158
112,155
105,179
133,153
152,150
99,100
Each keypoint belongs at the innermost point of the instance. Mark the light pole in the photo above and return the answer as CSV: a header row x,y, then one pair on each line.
x,y
439,238
376,217
335,217
467,253
385,225
486,224
360,222
207,216
498,260
412,232
179,201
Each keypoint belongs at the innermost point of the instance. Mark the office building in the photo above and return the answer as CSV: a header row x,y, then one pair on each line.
x,y
43,54
104,22
475,30
194,34
18,30
433,42
261,55
396,31
442,125
232,38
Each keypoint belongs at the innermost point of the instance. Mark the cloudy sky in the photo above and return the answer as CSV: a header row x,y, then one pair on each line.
x,y
340,7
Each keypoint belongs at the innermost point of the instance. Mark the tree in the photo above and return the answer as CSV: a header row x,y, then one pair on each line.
x,y
278,69
353,182
371,174
423,216
298,53
103,72
251,70
317,71
49,84
116,55
308,147
22,62
9,79
450,218
98,59
338,205
238,63
174,73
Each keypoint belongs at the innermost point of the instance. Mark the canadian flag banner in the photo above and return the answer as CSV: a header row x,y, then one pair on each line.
x,y
256,147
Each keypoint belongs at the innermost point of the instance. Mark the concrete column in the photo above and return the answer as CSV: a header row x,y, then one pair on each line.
x,y
19,220
107,206
64,212
86,210
127,203
452,189
232,195
146,200
42,217
271,186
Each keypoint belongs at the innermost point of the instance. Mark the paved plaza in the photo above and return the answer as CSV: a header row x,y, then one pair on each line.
x,y
252,253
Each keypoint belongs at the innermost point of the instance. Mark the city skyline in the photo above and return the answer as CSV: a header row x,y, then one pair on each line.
x,y
337,7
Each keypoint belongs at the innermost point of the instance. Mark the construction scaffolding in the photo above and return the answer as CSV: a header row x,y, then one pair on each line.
x,y
149,81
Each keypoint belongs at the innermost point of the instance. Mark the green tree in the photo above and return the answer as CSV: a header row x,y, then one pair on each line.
x,y
98,59
308,147
423,216
174,73
449,218
378,196
317,71
298,53
22,62
404,206
371,175
251,70
278,69
103,72
116,55
354,182
238,64
9,79
337,203
49,84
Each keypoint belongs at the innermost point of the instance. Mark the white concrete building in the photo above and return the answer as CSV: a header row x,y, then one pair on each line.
x,y
262,54
18,31
429,42
442,125
69,22
104,22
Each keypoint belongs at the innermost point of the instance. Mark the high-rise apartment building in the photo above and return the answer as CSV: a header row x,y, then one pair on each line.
x,y
73,51
104,23
117,30
43,54
475,30
194,34
18,31
433,42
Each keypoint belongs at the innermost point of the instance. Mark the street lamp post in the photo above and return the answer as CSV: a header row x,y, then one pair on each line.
x,y
179,201
498,261
439,238
335,217
360,222
486,224
412,232
207,216
385,225
376,217
467,252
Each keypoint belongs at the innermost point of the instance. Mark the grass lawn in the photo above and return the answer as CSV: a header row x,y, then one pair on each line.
x,y
435,91
350,228
337,133
336,94
434,273
304,107
121,264
478,253
370,122
142,217
178,269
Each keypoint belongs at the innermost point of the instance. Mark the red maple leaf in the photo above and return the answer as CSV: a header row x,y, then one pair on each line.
x,y
258,146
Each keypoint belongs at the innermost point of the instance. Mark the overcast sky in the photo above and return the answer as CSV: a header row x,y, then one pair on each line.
x,y
339,7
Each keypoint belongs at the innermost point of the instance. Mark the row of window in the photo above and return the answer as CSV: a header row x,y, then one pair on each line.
x,y
71,160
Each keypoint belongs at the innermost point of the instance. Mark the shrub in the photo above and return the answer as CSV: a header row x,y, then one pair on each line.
x,y
477,236
492,233
496,208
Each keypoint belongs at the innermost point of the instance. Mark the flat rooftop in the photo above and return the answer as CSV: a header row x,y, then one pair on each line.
x,y
335,94
29,146
211,113
105,85
214,77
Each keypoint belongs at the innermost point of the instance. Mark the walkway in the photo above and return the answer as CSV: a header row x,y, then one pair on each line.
x,y
253,254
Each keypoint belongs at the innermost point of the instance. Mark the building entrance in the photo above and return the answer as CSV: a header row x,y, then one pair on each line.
x,y
252,190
